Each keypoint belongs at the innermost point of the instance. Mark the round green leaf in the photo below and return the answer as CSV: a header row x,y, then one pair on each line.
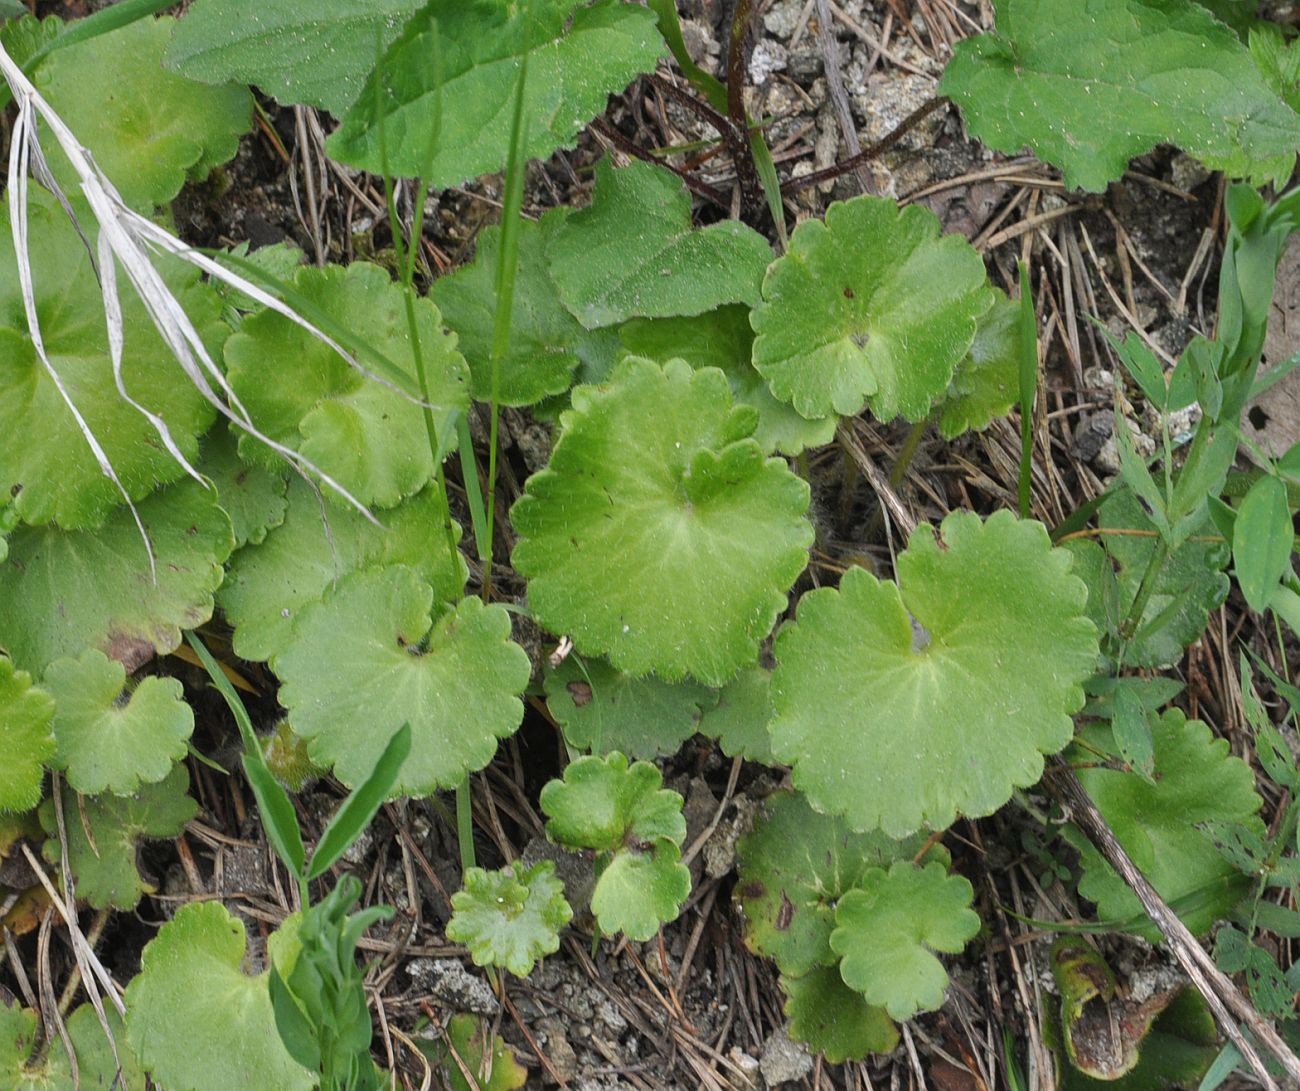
x,y
794,867
301,393
44,457
640,889
253,496
633,253
367,659
603,804
653,484
602,709
724,339
986,381
105,742
62,591
25,716
544,337
191,978
149,129
1196,781
834,1020
872,302
484,1054
903,705
740,719
508,919
886,930
96,1065
103,862
268,584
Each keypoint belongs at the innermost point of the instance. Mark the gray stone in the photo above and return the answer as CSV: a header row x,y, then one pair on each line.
x,y
783,1060
452,985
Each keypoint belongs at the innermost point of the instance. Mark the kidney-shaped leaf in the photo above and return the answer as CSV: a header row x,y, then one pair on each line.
x,y
1090,85
793,868
25,716
149,129
190,977
367,659
903,706
300,392
61,591
741,716
510,917
602,709
985,383
267,585
833,1019
870,303
1196,781
97,1067
632,254
105,742
603,804
887,930
104,834
577,56
253,496
280,45
654,484
641,888
43,455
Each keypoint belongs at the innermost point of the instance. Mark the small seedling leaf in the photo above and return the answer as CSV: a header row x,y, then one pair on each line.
x,y
487,1058
640,889
633,253
368,658
191,977
64,591
602,709
104,862
604,804
25,717
577,56
653,478
253,496
109,740
510,918
887,929
1196,781
984,383
869,305
904,705
1056,79
366,435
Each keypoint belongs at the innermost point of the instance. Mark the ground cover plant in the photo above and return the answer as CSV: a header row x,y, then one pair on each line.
x,y
274,528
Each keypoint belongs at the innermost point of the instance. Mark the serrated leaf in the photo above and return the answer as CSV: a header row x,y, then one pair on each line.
x,y
150,129
25,717
191,977
44,457
984,383
367,659
793,869
1057,79
887,929
1262,540
544,337
640,889
317,54
301,393
511,917
870,305
602,709
653,482
268,585
103,862
253,496
604,804
1191,582
1196,781
64,591
740,719
834,1020
96,1065
109,740
723,339
633,253
903,708
577,56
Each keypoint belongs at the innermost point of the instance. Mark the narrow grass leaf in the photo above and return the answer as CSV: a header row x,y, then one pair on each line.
x,y
1262,539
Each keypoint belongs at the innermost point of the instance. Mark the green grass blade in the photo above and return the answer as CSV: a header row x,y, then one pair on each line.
x,y
473,493
92,26
1028,387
